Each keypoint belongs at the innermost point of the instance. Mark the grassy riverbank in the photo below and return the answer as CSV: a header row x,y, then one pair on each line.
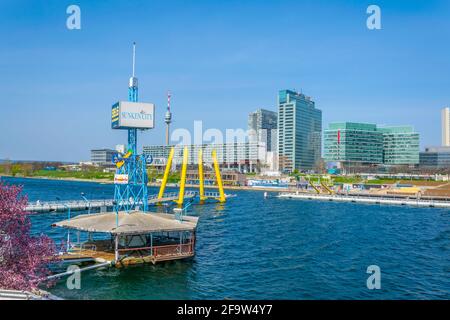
x,y
92,174
151,184
85,175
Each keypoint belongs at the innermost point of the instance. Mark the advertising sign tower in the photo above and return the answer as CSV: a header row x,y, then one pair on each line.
x,y
130,181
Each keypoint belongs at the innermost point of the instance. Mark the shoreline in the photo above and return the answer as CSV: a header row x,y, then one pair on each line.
x,y
152,184
242,188
367,199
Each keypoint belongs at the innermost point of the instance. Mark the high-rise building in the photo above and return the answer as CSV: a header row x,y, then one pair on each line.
x,y
445,126
299,131
263,124
366,144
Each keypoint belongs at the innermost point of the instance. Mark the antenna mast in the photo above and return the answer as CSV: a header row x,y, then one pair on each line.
x,y
134,56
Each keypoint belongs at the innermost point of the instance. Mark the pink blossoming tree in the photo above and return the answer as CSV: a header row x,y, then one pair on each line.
x,y
24,258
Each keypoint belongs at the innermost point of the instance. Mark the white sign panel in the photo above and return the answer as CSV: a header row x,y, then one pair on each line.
x,y
120,179
127,114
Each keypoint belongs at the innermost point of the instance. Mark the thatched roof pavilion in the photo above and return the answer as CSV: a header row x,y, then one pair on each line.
x,y
136,237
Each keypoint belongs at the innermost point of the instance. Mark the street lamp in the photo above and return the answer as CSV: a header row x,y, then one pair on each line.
x,y
88,202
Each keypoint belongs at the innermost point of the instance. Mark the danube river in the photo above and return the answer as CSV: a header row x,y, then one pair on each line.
x,y
256,248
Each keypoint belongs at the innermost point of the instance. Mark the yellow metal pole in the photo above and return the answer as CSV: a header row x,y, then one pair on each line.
x,y
200,175
166,174
183,176
312,185
218,177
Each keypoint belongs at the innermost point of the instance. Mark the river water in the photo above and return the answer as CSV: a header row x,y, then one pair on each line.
x,y
256,248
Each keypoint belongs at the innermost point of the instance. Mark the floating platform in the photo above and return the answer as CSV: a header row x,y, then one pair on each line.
x,y
368,199
53,206
135,237
26,295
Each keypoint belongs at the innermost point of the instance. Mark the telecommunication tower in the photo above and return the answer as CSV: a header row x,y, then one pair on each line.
x,y
168,118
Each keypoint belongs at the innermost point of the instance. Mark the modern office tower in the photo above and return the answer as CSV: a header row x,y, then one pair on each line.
x,y
351,142
299,131
400,145
435,158
263,124
445,126
102,157
362,144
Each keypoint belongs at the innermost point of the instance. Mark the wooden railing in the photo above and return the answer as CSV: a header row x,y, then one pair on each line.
x,y
173,250
166,250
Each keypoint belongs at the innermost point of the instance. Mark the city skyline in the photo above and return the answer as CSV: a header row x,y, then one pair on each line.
x,y
70,78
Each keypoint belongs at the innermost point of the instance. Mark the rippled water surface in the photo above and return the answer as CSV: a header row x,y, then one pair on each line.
x,y
256,248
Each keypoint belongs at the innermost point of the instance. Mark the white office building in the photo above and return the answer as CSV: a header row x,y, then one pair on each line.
x,y
102,157
244,157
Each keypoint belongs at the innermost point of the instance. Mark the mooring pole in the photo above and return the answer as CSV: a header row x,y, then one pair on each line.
x,y
116,249
151,243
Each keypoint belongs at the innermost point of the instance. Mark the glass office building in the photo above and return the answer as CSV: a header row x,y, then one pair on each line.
x,y
435,157
400,145
367,144
353,142
299,131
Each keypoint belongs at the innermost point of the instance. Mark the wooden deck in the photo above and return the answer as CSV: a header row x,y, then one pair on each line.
x,y
98,256
100,251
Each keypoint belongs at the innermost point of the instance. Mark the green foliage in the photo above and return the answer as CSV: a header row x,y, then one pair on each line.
x,y
15,169
86,174
153,175
343,179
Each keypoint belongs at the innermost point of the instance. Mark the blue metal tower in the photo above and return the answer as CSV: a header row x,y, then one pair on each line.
x,y
132,194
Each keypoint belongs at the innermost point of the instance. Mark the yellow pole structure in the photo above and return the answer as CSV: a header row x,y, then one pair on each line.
x,y
183,176
218,177
166,174
200,175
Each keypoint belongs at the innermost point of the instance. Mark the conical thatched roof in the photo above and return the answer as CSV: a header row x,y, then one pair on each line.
x,y
129,223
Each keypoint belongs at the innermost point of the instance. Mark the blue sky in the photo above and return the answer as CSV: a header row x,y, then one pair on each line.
x,y
220,59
